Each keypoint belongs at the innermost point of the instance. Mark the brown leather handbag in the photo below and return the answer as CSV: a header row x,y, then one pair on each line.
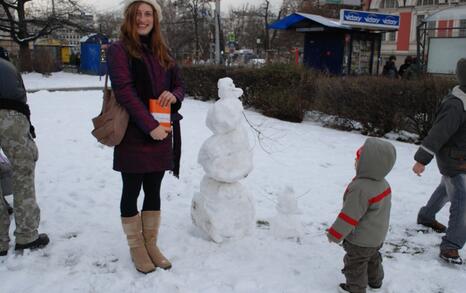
x,y
110,126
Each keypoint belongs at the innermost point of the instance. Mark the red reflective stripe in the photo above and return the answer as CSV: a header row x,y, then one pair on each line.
x,y
358,153
334,233
347,219
346,190
380,196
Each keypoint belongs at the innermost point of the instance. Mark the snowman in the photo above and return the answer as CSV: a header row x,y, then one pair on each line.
x,y
287,223
224,208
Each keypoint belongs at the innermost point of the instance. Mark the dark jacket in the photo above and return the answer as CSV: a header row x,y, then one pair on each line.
x,y
11,83
365,215
447,137
12,92
138,152
403,68
389,70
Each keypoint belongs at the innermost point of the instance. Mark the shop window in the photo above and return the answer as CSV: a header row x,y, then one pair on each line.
x,y
463,28
419,19
361,57
431,25
389,4
390,36
427,2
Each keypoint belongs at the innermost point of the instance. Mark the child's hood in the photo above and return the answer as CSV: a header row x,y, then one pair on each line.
x,y
377,159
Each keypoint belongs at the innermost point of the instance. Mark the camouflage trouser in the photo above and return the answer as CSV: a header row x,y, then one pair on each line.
x,y
363,266
21,150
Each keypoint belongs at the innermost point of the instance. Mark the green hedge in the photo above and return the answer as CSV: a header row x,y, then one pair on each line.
x,y
286,92
382,105
274,90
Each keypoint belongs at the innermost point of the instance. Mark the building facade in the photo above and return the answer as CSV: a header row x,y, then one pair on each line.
x,y
71,35
412,12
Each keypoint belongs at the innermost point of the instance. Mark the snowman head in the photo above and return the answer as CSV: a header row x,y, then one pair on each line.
x,y
227,89
287,201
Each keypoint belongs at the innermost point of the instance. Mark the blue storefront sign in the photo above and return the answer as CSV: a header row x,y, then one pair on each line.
x,y
359,18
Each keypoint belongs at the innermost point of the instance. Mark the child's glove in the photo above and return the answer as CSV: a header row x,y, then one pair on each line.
x,y
330,238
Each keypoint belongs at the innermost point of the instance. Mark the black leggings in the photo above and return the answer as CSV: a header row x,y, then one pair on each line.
x,y
131,188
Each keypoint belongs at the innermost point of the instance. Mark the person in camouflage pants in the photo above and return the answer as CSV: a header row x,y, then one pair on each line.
x,y
16,140
17,144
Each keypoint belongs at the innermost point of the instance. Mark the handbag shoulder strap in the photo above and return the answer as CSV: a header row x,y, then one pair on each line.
x,y
106,81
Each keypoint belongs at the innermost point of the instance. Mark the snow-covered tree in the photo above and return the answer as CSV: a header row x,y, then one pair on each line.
x,y
28,20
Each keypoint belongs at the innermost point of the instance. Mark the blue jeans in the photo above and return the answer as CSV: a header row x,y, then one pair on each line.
x,y
453,190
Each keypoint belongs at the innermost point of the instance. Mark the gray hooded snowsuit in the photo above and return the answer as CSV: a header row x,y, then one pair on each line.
x,y
363,221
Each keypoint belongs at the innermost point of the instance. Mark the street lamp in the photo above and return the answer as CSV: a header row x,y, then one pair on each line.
x,y
217,31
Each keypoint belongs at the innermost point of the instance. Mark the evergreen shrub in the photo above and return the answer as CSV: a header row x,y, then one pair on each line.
x,y
379,105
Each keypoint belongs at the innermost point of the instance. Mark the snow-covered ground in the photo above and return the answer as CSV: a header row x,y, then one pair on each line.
x,y
79,197
59,80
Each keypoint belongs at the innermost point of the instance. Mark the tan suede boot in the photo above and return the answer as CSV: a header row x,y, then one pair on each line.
x,y
132,227
150,230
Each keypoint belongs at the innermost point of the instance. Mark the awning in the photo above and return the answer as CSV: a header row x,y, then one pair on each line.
x,y
301,21
292,20
456,12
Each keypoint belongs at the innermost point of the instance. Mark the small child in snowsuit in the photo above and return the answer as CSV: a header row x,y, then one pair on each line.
x,y
6,187
362,224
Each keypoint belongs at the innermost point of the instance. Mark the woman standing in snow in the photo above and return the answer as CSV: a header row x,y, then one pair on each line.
x,y
141,69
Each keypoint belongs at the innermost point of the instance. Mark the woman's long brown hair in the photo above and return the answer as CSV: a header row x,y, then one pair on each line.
x,y
131,39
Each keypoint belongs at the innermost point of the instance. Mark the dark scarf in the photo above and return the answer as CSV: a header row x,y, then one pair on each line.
x,y
144,88
21,108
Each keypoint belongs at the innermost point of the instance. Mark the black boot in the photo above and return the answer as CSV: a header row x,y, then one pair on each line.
x,y
343,288
40,242
3,253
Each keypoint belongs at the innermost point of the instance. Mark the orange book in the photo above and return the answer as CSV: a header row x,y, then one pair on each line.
x,y
161,114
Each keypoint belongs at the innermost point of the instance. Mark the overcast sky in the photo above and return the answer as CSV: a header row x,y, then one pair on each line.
x,y
225,4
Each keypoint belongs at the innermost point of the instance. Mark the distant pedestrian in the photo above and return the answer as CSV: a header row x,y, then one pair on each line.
x,y
4,54
16,141
362,224
405,66
78,62
389,69
414,70
446,141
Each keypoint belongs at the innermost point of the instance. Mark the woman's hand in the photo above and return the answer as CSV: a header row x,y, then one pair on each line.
x,y
166,98
159,133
